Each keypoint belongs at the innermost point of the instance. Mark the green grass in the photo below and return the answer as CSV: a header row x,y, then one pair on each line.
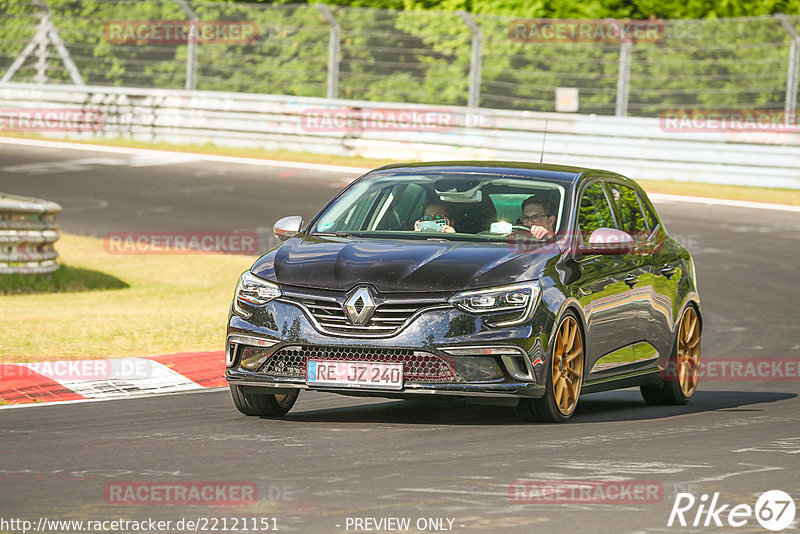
x,y
133,305
730,192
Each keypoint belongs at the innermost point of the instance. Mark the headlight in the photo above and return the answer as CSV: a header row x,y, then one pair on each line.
x,y
515,303
254,291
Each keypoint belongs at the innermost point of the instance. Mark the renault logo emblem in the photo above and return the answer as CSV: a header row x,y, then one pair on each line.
x,y
359,306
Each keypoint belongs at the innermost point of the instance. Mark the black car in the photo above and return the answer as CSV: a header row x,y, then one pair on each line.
x,y
495,282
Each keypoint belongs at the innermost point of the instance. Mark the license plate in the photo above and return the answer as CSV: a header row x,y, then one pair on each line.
x,y
355,374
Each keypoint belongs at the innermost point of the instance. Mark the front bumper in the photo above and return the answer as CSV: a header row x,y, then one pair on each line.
x,y
441,334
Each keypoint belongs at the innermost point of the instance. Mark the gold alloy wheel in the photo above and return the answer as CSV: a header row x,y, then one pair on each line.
x,y
689,352
567,368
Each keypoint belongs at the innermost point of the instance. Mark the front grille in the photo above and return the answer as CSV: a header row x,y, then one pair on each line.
x,y
418,366
388,317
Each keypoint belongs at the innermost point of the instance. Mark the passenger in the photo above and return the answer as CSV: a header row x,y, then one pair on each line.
x,y
537,215
436,211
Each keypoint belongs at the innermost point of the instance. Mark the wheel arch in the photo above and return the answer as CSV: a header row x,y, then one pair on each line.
x,y
570,304
691,299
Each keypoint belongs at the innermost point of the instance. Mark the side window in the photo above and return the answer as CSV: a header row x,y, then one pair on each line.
x,y
629,212
594,211
652,222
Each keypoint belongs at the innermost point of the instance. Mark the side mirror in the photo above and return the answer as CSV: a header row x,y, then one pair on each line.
x,y
608,241
287,227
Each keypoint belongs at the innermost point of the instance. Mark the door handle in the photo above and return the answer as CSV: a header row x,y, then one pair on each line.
x,y
631,280
668,270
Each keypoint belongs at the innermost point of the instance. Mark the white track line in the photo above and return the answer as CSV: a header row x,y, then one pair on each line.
x,y
662,197
106,399
196,156
344,169
113,379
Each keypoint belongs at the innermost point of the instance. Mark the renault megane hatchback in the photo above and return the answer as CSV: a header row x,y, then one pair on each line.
x,y
504,282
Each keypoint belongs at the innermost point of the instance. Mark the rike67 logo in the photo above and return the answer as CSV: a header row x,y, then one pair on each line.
x,y
774,510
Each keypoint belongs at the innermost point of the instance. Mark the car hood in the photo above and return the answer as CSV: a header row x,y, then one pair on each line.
x,y
395,265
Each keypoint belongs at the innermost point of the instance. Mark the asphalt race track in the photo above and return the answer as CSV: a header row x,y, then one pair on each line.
x,y
334,458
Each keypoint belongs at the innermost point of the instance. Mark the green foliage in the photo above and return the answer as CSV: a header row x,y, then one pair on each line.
x,y
595,211
421,53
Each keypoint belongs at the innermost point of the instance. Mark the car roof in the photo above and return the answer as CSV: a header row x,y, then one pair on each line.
x,y
525,169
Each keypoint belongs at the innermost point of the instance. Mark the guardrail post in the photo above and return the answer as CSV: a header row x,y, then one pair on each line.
x,y
793,72
334,45
191,47
623,79
475,61
27,233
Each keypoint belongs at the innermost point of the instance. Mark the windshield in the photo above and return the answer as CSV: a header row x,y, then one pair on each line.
x,y
446,205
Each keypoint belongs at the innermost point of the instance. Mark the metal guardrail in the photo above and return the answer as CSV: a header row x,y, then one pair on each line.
x,y
28,231
638,147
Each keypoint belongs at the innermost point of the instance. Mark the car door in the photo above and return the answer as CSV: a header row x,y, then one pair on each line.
x,y
651,292
603,290
667,267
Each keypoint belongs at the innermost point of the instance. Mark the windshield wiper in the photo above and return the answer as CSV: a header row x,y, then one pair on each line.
x,y
333,234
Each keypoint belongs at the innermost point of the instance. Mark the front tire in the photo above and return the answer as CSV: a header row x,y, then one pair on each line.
x,y
565,379
683,368
262,404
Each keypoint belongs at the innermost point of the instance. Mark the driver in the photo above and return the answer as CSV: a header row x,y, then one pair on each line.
x,y
435,211
536,214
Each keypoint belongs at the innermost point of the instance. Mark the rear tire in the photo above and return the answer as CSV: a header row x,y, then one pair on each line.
x,y
262,404
683,367
564,378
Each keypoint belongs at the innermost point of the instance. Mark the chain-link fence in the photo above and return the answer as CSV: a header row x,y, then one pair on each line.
x,y
429,57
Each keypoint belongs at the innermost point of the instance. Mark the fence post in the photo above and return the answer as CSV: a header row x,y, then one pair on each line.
x,y
41,50
793,72
623,79
475,60
334,43
191,46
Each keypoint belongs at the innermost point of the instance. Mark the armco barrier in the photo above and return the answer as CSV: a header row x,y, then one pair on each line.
x,y
637,147
27,234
